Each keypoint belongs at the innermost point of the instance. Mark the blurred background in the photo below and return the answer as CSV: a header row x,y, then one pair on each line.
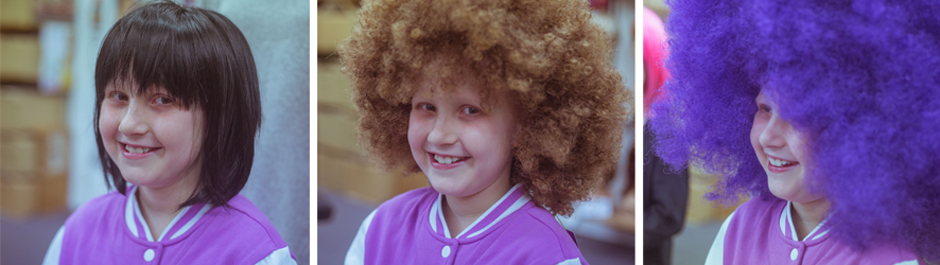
x,y
677,217
349,187
48,156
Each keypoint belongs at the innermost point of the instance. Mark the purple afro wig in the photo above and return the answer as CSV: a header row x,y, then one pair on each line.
x,y
860,79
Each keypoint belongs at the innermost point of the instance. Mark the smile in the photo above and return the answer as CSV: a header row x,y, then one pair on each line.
x,y
137,152
446,162
778,165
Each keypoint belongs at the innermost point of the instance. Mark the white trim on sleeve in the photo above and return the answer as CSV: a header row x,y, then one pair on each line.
x,y
278,257
909,262
55,248
716,255
357,251
574,261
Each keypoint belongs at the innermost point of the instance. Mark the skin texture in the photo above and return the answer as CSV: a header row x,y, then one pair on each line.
x,y
168,174
461,125
772,136
550,61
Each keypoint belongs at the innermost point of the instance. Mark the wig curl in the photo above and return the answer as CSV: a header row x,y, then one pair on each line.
x,y
554,63
858,78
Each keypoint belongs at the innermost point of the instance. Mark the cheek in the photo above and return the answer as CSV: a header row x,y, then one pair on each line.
x,y
109,120
756,130
417,133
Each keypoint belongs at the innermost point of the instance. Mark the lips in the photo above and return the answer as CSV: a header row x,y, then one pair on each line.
x,y
779,165
441,161
136,151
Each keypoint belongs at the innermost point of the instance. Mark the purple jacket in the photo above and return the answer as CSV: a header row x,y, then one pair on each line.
x,y
111,230
410,229
761,232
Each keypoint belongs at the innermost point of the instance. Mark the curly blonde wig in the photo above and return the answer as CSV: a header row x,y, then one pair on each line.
x,y
547,55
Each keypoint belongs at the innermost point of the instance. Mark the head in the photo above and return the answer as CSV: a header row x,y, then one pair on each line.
x,y
177,102
459,139
852,82
525,88
781,150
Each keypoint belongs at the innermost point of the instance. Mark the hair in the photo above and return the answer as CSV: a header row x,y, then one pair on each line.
x,y
555,64
857,79
203,61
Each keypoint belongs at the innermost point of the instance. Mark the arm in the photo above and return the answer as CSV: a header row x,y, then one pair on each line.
x,y
55,248
717,252
281,256
357,251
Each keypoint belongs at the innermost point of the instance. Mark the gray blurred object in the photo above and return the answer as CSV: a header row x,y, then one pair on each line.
x,y
665,199
279,36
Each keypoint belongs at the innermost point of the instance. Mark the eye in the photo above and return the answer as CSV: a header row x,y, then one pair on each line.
x,y
119,96
764,108
425,106
471,110
163,100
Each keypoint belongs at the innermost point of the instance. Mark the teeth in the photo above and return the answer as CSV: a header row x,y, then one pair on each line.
x,y
135,150
779,163
445,160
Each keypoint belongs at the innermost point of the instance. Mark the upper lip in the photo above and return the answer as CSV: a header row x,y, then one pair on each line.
x,y
446,155
778,158
137,146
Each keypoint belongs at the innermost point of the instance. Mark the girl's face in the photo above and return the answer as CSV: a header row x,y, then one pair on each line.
x,y
461,144
780,150
151,138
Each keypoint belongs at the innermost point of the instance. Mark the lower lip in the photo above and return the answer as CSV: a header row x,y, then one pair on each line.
x,y
776,169
442,166
135,156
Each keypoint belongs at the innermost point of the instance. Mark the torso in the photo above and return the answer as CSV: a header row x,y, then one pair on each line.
x,y
409,229
110,230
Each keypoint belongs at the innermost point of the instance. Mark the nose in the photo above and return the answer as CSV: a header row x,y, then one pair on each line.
x,y
772,135
443,132
134,121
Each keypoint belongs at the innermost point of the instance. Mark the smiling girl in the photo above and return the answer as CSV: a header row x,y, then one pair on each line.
x,y
512,109
825,113
176,112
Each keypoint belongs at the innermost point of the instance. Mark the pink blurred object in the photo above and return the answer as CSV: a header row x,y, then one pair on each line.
x,y
655,52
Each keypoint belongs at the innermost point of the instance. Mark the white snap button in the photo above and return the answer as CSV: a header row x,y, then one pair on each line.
x,y
445,252
793,254
148,255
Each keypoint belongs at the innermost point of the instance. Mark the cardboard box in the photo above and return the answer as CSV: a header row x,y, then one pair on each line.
x,y
333,26
18,15
23,196
22,108
356,176
29,152
699,209
20,53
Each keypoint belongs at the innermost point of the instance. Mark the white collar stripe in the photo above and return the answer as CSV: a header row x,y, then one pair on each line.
x,y
135,221
205,208
789,219
140,219
493,208
440,220
433,214
129,213
521,201
176,219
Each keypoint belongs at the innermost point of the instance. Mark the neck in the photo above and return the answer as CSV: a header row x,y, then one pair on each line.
x,y
460,212
160,205
808,215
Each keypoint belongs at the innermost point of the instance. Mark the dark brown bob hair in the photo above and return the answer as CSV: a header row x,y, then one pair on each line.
x,y
203,61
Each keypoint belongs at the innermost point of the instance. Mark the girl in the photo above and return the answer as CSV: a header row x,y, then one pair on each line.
x,y
512,110
176,113
825,113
